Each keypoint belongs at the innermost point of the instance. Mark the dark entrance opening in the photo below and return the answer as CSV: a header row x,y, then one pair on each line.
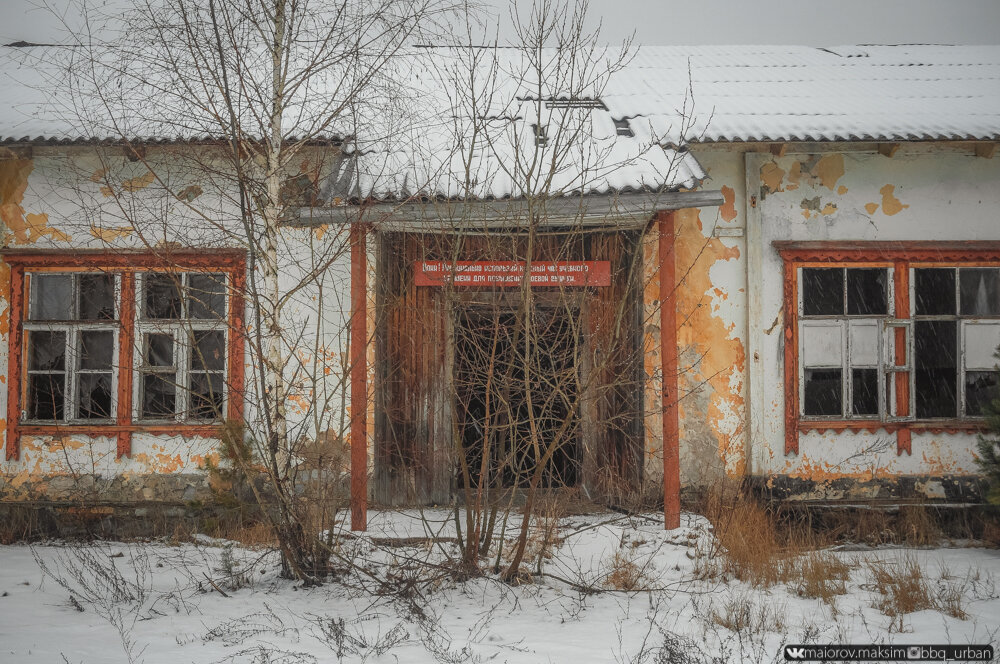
x,y
517,392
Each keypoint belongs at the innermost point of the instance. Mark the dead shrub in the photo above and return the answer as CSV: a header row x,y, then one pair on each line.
x,y
625,574
747,545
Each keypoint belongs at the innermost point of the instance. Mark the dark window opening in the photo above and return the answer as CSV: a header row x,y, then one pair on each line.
x,y
864,392
936,368
979,291
867,292
823,392
823,291
981,389
934,291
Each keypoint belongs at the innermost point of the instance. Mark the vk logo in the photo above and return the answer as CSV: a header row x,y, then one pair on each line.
x,y
795,653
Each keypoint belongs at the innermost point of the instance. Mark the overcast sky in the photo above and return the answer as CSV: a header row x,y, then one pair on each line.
x,y
808,22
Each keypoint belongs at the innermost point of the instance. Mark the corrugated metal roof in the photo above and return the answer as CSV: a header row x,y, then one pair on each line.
x,y
670,95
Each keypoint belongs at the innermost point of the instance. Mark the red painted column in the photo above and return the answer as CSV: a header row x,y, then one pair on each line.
x,y
359,379
668,361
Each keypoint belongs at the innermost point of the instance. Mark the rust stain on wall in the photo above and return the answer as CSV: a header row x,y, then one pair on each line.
x,y
721,358
139,182
26,228
829,170
110,234
871,207
728,209
890,204
771,176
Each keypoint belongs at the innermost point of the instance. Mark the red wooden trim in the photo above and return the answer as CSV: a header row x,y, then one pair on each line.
x,y
114,430
208,260
901,283
14,355
914,251
791,340
669,371
126,353
127,263
933,426
359,379
237,343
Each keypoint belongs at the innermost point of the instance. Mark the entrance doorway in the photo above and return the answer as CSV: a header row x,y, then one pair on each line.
x,y
517,396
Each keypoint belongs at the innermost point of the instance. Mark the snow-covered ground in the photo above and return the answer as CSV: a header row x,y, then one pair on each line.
x,y
215,602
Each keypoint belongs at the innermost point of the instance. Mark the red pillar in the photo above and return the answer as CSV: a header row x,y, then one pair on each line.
x,y
668,360
359,379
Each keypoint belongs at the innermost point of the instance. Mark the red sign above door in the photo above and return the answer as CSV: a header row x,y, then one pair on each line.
x,y
510,273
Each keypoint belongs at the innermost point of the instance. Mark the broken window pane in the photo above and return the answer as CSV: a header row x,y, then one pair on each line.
x,y
94,396
936,367
206,396
864,343
51,297
864,392
97,297
208,351
162,296
158,395
934,291
159,350
96,349
46,351
45,396
207,295
823,390
981,388
822,291
867,294
979,291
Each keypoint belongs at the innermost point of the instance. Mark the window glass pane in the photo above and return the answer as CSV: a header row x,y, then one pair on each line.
x,y
159,350
94,396
96,349
823,390
867,294
45,396
822,344
97,297
981,388
934,291
51,297
822,291
979,291
207,295
158,395
982,341
936,368
162,296
46,351
208,351
864,392
864,343
206,396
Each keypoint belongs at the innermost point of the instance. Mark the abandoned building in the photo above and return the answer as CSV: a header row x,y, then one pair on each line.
x,y
805,292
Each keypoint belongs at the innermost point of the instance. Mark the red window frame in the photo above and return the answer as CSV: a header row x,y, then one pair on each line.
x,y
900,256
125,264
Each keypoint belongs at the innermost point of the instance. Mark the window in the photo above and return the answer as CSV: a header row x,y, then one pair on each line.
x,y
849,337
71,334
112,344
895,336
843,312
182,358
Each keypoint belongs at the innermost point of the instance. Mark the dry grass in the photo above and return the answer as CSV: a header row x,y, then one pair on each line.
x,y
821,575
742,615
903,588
